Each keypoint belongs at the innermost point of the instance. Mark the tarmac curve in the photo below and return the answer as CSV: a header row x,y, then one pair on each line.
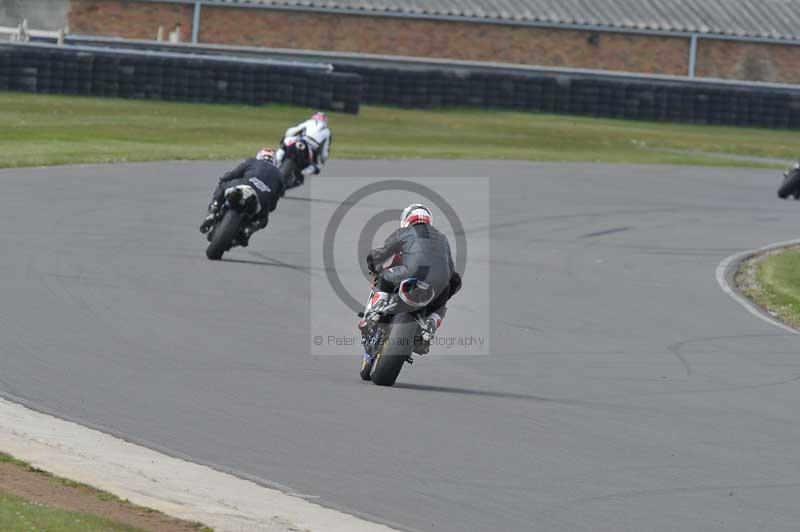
x,y
625,390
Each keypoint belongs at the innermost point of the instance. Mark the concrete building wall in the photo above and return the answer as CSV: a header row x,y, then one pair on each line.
x,y
441,39
41,14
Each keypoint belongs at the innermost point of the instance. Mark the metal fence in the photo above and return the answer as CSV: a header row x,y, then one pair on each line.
x,y
22,33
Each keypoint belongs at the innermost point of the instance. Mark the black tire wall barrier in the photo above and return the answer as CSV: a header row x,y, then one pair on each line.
x,y
390,82
128,74
425,84
612,96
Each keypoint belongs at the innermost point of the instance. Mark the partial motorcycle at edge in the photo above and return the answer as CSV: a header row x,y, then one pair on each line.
x,y
791,183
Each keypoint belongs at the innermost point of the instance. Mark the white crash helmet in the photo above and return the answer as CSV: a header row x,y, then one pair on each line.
x,y
267,154
416,213
320,117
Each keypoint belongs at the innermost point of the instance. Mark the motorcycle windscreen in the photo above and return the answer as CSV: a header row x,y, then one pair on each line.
x,y
415,292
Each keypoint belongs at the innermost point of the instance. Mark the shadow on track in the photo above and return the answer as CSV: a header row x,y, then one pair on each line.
x,y
499,395
272,263
330,201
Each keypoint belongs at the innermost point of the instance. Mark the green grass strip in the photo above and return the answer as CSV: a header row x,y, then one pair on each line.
x,y
16,512
773,282
779,277
46,130
19,515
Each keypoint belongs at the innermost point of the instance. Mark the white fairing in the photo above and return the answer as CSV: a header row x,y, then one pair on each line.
x,y
318,135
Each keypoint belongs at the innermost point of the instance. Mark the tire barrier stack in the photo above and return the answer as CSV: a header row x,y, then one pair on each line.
x,y
404,83
576,93
435,84
44,68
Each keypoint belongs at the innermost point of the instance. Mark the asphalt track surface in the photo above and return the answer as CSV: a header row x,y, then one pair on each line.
x,y
625,391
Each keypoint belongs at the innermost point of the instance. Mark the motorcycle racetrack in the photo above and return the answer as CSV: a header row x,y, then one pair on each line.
x,y
625,391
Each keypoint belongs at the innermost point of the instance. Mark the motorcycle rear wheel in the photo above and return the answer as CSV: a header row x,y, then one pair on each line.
x,y
224,234
395,351
289,171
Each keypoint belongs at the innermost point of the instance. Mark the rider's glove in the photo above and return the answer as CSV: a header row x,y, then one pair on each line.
x,y
371,264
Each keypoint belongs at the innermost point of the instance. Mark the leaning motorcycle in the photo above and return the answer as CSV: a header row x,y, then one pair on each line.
x,y
241,204
392,331
791,183
297,155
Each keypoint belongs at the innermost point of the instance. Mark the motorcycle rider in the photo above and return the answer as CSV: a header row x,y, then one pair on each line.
x,y
263,175
318,137
424,254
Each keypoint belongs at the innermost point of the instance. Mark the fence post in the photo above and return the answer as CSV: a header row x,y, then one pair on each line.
x,y
693,56
23,31
196,22
175,35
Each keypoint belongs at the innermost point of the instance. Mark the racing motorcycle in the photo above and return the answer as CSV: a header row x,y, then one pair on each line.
x,y
297,155
393,330
240,206
791,183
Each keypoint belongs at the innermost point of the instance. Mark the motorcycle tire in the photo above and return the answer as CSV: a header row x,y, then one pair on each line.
x,y
289,171
790,186
224,234
395,351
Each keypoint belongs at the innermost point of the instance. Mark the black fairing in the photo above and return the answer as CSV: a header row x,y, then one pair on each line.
x,y
298,151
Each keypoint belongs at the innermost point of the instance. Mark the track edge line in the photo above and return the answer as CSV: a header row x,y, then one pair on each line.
x,y
727,269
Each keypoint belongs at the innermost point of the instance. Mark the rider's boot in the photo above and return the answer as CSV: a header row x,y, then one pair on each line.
x,y
208,221
432,324
247,232
377,301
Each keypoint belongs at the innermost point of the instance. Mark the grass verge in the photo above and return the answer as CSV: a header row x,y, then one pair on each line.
x,y
32,499
19,515
47,130
772,280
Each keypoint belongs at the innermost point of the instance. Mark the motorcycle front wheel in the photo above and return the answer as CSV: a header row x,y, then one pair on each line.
x,y
224,234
